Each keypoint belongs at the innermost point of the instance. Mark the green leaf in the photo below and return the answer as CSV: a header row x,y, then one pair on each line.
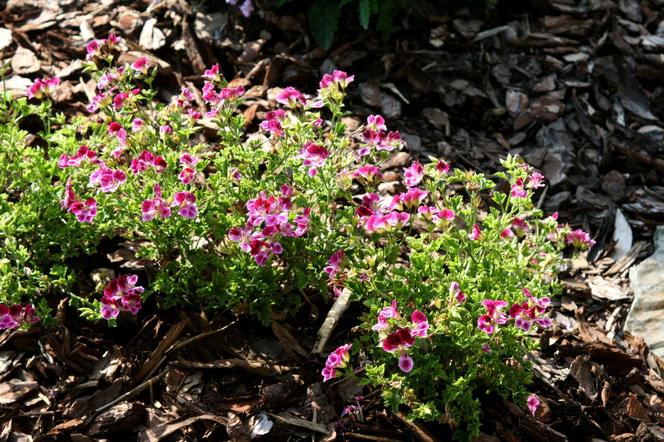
x,y
323,22
365,12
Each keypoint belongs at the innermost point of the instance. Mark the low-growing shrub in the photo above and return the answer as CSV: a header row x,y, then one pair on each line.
x,y
455,273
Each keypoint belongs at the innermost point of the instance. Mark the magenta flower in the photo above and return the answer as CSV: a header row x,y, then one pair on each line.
x,y
121,293
334,263
141,65
535,180
231,93
442,167
146,160
414,174
368,174
42,87
313,156
291,97
446,214
384,315
339,358
400,339
17,315
337,78
518,190
156,206
487,322
519,225
455,290
108,179
85,211
186,203
83,153
405,362
475,234
533,404
212,73
187,175
92,49
376,123
272,122
579,239
507,233
420,324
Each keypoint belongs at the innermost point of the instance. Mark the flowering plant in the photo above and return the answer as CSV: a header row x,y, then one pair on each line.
x,y
455,274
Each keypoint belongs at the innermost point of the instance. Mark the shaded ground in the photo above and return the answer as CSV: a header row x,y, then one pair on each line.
x,y
574,87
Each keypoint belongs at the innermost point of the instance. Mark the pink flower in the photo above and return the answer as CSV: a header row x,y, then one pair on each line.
x,y
156,206
405,362
212,73
507,233
91,49
334,263
187,175
113,40
83,153
165,129
313,156
414,174
384,314
397,340
446,214
291,97
455,290
442,167
231,93
186,203
136,124
535,180
376,123
579,239
141,65
17,315
121,293
368,174
108,179
85,211
493,317
518,190
533,404
475,234
520,225
42,87
337,78
420,324
272,122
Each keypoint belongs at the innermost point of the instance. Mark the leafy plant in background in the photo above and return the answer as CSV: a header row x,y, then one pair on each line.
x,y
324,15
455,274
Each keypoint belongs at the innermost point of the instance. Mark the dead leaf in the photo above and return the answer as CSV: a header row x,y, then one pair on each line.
x,y
25,61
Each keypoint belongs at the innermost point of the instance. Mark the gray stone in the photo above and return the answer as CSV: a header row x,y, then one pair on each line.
x,y
646,315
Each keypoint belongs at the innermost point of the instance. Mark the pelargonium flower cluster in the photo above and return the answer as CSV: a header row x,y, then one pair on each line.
x,y
524,314
17,315
121,293
42,87
272,122
404,334
96,48
83,153
268,220
339,358
375,136
85,211
313,157
579,239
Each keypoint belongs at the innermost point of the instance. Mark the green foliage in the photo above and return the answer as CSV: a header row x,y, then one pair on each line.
x,y
324,16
